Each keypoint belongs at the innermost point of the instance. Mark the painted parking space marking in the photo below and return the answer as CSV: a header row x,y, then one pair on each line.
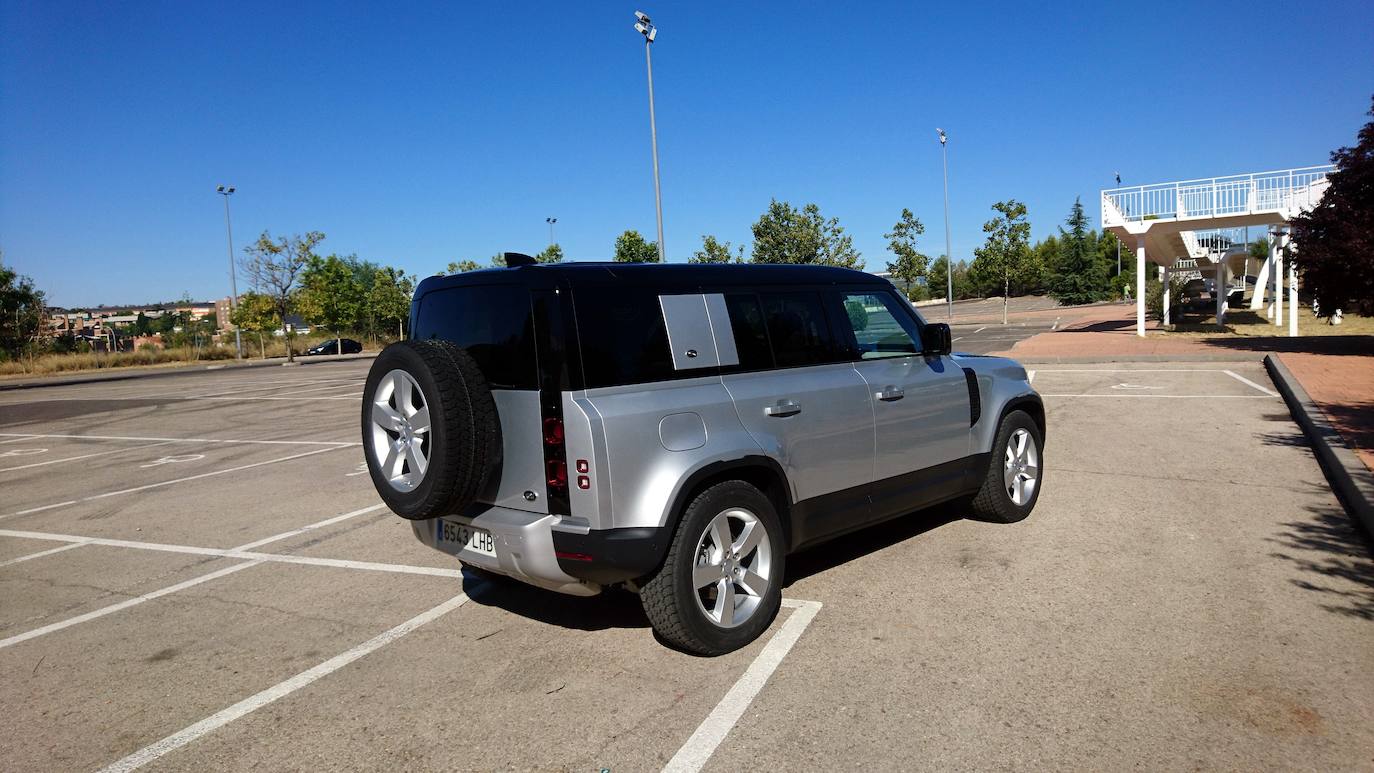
x,y
1250,383
280,690
703,743
111,609
22,436
174,481
178,459
79,457
42,553
23,452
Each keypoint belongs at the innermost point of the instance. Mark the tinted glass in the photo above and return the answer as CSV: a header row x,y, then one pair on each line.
x,y
750,331
880,329
624,340
493,323
797,329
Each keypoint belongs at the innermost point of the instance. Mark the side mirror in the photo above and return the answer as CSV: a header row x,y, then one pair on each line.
x,y
935,339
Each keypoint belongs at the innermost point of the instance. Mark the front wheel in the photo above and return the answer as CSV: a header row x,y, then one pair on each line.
x,y
721,584
1015,471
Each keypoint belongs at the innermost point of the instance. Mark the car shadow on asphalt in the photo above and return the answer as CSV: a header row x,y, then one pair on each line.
x,y
858,544
612,609
1325,544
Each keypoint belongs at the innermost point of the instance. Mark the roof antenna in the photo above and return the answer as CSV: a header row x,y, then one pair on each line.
x,y
517,259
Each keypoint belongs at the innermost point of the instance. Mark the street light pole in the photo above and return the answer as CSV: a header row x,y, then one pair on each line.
x,y
226,192
551,221
649,31
949,258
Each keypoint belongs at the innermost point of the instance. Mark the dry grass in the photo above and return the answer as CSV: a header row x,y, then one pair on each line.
x,y
1245,322
48,364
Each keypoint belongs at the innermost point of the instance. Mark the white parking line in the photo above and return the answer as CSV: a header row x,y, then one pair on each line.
x,y
981,329
160,484
41,553
35,633
1030,377
718,724
20,436
83,456
280,690
311,527
1250,383
352,385
248,555
1171,397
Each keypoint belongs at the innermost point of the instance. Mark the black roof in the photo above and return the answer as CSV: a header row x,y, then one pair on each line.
x,y
670,276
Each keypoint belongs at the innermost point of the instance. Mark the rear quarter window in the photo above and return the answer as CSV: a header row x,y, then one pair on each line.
x,y
622,335
493,323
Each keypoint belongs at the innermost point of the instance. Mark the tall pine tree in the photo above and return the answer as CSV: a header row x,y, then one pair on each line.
x,y
1075,279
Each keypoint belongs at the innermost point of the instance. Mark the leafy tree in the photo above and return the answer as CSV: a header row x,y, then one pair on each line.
x,y
910,265
1006,252
388,300
551,254
630,247
1259,249
256,313
1335,241
21,312
274,266
715,251
330,295
498,260
1075,278
463,266
784,234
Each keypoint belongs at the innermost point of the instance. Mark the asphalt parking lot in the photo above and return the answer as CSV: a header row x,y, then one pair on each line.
x,y
195,574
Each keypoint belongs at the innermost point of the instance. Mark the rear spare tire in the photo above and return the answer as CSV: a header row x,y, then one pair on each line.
x,y
431,434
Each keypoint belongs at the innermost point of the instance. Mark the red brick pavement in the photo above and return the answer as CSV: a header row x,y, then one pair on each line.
x,y
1343,387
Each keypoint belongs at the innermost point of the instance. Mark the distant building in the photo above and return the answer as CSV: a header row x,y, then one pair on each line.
x,y
223,312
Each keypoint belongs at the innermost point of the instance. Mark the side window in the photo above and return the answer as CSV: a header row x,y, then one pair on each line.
x,y
493,323
881,328
797,329
623,338
750,331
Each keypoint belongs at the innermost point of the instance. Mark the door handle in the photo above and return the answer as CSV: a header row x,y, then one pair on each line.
x,y
782,409
890,393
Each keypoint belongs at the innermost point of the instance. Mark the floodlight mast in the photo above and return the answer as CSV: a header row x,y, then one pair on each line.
x,y
949,258
646,28
226,191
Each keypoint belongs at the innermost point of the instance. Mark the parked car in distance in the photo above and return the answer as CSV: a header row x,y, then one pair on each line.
x,y
678,430
332,347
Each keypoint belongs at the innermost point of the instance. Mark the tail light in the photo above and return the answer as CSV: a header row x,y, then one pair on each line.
x,y
555,459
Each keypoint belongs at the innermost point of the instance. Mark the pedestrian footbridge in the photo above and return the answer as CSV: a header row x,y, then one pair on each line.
x,y
1192,224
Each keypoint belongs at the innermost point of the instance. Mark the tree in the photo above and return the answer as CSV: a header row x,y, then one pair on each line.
x,y
1006,251
498,260
388,300
21,312
784,234
551,254
910,265
1074,278
330,295
462,266
273,267
1335,240
715,251
630,247
256,313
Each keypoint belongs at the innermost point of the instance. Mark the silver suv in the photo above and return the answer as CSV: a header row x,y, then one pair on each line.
x,y
679,430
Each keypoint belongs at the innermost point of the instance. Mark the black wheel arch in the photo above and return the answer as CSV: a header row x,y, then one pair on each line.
x,y
759,471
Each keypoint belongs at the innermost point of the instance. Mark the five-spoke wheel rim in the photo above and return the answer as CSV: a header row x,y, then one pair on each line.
x,y
733,568
1021,467
400,430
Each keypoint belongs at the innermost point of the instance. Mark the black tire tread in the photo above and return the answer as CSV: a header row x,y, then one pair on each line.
x,y
991,502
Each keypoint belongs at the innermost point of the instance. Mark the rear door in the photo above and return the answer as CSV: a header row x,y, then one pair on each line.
x,y
920,403
805,405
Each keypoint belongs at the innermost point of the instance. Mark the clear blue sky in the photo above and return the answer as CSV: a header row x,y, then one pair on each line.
x,y
416,136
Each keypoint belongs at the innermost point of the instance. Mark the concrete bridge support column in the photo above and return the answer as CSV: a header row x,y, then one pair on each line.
x,y
1164,279
1140,285
1278,277
1262,280
1220,287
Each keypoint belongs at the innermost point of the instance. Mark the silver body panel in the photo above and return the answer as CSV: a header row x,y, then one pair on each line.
x,y
925,422
1000,381
522,455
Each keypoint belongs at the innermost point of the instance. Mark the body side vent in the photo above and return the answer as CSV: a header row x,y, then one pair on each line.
x,y
975,401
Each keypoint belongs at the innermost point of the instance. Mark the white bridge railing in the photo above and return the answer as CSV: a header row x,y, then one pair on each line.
x,y
1245,194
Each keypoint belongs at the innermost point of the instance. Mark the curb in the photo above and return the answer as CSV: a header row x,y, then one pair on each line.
x,y
1090,359
1351,480
125,374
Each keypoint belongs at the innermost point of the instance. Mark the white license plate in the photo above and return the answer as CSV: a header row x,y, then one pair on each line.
x,y
461,536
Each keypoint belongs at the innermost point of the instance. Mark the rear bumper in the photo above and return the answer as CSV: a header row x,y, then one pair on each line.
x,y
523,543
609,556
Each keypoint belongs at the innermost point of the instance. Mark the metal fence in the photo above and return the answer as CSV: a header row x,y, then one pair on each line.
x,y
1216,196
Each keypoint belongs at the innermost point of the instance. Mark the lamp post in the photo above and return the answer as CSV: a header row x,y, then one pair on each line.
x,y
551,221
949,258
649,31
226,192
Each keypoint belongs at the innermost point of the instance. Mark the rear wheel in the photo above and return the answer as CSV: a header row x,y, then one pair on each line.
x,y
1012,485
721,584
